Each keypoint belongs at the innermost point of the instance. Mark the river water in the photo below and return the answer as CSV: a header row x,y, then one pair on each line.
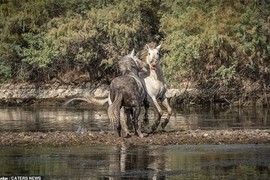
x,y
19,119
248,161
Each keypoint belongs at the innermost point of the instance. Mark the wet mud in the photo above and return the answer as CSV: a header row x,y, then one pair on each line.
x,y
251,136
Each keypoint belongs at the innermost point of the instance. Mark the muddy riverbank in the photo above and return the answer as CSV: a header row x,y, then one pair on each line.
x,y
253,136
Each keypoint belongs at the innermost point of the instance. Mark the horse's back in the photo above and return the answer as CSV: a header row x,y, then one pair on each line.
x,y
129,88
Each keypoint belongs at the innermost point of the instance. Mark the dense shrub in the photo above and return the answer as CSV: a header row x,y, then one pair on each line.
x,y
216,40
48,38
205,41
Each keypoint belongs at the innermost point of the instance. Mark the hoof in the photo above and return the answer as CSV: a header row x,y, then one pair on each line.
x,y
128,135
164,124
141,135
163,131
145,122
146,130
154,128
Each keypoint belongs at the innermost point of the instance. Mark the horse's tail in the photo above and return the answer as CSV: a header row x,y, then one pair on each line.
x,y
90,100
99,102
114,109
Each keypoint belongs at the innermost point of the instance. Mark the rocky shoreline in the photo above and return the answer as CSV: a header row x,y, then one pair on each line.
x,y
47,94
186,94
25,94
243,136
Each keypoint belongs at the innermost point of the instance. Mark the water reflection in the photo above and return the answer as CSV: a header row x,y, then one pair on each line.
x,y
231,118
52,119
139,162
78,119
143,162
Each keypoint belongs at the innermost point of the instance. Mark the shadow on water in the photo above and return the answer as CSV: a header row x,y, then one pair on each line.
x,y
139,162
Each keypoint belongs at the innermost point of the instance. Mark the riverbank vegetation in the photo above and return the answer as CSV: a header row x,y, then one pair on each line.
x,y
221,46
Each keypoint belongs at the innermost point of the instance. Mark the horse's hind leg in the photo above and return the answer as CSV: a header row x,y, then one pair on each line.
x,y
169,109
119,128
160,113
146,107
128,116
124,117
136,123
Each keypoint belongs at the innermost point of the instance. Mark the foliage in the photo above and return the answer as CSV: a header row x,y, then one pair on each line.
x,y
49,38
215,39
5,71
205,41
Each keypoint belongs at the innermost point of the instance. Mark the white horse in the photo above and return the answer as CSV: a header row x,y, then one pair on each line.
x,y
155,85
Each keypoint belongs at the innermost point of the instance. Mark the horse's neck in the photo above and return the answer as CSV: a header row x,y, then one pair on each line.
x,y
134,72
136,78
157,74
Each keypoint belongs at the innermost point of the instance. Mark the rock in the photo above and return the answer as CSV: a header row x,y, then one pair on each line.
x,y
27,138
101,92
172,93
205,135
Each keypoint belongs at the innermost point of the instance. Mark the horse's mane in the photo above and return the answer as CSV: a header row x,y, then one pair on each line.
x,y
144,52
125,64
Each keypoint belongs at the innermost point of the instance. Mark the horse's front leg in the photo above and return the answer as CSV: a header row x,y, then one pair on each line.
x,y
136,123
160,113
165,103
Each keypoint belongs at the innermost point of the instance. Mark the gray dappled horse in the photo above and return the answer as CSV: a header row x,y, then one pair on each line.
x,y
126,91
155,84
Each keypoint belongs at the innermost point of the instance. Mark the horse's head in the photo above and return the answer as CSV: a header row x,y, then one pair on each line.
x,y
139,65
131,63
151,55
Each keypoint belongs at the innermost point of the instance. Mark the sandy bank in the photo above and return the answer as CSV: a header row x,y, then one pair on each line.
x,y
160,138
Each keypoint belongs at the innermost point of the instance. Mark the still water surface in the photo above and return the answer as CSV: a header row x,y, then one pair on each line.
x,y
70,119
134,162
139,162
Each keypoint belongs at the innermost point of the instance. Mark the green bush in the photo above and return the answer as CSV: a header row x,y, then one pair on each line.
x,y
202,40
231,37
5,71
49,38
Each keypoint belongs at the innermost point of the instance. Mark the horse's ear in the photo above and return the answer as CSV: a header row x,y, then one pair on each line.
x,y
132,53
147,47
158,47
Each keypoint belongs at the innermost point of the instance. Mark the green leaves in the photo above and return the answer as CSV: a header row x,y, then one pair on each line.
x,y
222,34
5,70
83,35
39,51
48,38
